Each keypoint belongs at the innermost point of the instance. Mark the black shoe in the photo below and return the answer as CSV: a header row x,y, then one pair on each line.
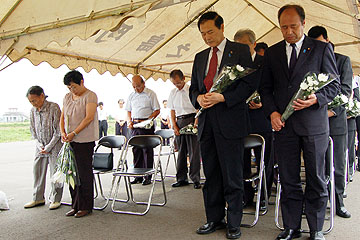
x,y
137,180
211,227
248,204
263,206
197,185
342,212
180,183
289,234
146,182
317,236
233,233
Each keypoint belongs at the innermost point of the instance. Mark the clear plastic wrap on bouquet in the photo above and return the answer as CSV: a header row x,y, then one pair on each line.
x,y
311,83
189,129
227,76
339,100
66,169
352,108
255,97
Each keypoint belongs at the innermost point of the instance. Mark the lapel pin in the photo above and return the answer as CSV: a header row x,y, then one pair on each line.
x,y
230,53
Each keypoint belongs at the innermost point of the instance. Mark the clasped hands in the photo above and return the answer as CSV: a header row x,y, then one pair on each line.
x,y
299,104
67,137
210,99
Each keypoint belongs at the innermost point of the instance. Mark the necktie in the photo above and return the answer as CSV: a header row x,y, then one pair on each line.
x,y
293,58
208,81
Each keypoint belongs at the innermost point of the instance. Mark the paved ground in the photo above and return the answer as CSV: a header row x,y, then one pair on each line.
x,y
179,219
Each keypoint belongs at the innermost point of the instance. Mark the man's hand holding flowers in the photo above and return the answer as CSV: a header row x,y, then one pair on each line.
x,y
301,104
253,105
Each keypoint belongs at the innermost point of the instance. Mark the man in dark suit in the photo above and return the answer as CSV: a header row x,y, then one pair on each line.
x,y
307,129
338,123
259,124
222,126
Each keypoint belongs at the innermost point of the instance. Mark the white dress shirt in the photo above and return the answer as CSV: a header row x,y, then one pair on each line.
x,y
142,105
298,46
102,114
219,53
179,101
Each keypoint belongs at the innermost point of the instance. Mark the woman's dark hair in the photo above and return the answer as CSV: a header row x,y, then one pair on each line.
x,y
177,72
211,16
35,90
317,31
73,76
299,9
261,45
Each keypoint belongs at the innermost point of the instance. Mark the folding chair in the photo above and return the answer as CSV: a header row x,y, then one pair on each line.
x,y
250,142
167,134
331,185
140,141
111,142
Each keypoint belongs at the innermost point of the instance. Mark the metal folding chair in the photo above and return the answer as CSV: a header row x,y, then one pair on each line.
x,y
141,141
250,142
167,134
331,186
117,142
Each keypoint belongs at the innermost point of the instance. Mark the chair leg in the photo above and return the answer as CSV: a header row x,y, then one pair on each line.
x,y
277,205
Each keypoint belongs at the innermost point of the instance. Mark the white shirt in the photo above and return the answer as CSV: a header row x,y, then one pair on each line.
x,y
179,101
253,56
219,53
297,48
102,114
142,105
122,114
164,113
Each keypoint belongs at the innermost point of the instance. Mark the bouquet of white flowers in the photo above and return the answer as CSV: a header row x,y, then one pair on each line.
x,y
66,170
339,100
311,83
352,108
147,124
227,76
255,97
189,129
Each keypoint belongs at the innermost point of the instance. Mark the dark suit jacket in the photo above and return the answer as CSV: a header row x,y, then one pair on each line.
x,y
278,87
232,115
259,122
338,123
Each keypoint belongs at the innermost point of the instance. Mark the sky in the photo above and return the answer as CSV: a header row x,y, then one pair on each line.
x,y
20,76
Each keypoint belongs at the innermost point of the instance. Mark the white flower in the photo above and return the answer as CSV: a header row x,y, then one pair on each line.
x,y
232,76
239,68
357,104
316,88
311,88
309,79
343,98
316,82
195,130
303,86
351,104
311,83
323,77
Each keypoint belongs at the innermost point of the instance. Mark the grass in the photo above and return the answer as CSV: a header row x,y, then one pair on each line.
x,y
14,132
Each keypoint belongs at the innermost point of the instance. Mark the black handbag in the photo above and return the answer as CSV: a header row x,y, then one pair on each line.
x,y
103,161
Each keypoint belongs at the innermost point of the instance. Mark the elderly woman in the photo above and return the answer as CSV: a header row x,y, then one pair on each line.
x,y
79,126
44,128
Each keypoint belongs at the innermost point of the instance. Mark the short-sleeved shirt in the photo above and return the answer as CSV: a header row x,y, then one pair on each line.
x,y
142,105
75,112
179,101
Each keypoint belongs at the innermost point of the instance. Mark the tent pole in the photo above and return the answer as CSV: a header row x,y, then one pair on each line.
x,y
12,9
18,59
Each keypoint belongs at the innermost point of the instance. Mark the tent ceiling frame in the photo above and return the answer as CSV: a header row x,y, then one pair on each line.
x,y
12,9
68,22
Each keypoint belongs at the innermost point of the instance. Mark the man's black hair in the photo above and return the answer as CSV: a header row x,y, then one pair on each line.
x,y
211,16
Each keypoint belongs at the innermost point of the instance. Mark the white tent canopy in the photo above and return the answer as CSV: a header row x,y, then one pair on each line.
x,y
152,37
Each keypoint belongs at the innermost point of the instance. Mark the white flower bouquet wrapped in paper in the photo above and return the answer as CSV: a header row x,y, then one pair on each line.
x,y
66,169
255,97
352,108
147,124
189,129
311,83
227,76
339,100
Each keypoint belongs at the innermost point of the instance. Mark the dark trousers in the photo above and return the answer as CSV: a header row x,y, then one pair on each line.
x,y
187,144
288,148
103,127
223,168
358,138
121,130
248,189
339,165
166,142
82,195
351,148
143,157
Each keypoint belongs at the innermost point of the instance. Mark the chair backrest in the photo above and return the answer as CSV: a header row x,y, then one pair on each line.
x,y
145,141
112,141
253,141
165,133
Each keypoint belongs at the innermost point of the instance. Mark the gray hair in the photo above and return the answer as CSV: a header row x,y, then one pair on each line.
x,y
246,31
